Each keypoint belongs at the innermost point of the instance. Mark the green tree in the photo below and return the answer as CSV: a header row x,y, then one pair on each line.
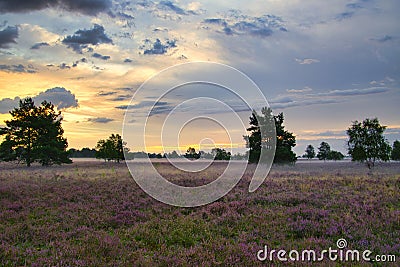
x,y
34,134
310,152
191,153
111,149
366,142
396,150
323,151
335,155
221,154
284,140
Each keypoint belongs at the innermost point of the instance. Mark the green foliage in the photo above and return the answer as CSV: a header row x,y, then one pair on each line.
x,y
323,151
366,142
191,153
396,150
83,153
285,140
34,134
335,155
111,149
310,152
221,154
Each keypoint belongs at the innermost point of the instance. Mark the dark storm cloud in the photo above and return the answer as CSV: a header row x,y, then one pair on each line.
x,y
8,36
100,120
82,38
17,68
157,48
100,56
87,7
238,24
58,96
39,45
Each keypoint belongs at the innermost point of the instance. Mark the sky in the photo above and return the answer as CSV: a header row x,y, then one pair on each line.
x,y
323,64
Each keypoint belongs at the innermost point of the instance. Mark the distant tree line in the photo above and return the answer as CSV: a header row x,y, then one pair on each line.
x,y
35,134
324,152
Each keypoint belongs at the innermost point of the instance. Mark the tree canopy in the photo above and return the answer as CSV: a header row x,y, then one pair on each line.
x,y
34,134
310,152
324,150
221,154
191,153
111,149
396,150
366,142
284,140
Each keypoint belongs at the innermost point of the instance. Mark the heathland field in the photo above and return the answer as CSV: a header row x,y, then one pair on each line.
x,y
94,214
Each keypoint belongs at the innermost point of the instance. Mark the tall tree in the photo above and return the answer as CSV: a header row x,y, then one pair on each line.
x,y
111,149
396,150
324,150
310,152
366,142
34,134
262,136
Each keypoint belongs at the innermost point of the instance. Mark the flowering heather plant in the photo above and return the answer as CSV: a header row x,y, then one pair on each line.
x,y
93,214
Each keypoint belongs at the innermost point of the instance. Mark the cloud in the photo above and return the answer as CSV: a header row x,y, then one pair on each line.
x,y
58,96
168,5
122,107
64,66
39,45
301,102
304,90
8,104
100,120
8,36
121,97
353,92
157,48
345,15
236,23
87,7
102,93
97,55
17,68
82,38
330,133
383,39
306,61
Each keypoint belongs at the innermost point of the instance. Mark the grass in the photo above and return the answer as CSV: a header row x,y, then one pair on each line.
x,y
93,214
